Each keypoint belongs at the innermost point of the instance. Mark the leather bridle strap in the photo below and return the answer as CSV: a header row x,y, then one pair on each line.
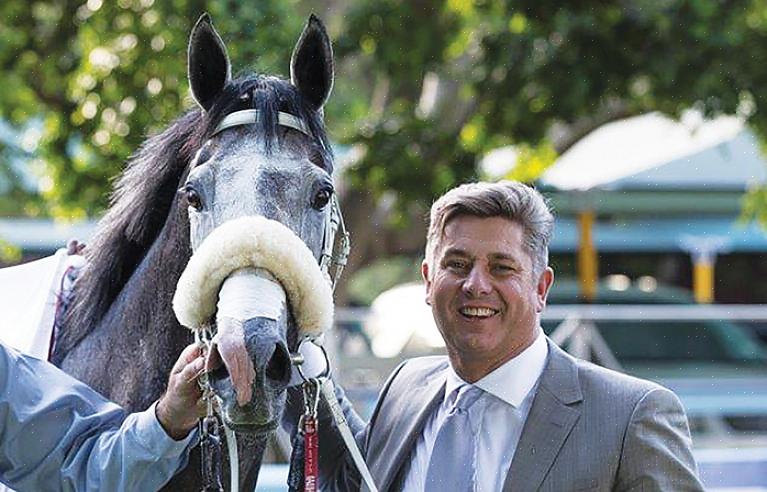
x,y
250,116
329,393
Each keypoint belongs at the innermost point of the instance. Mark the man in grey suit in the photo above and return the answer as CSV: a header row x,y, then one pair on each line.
x,y
506,409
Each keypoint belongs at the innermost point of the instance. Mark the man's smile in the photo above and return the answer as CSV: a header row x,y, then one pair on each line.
x,y
477,312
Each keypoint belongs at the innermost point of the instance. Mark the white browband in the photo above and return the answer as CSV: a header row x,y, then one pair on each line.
x,y
250,116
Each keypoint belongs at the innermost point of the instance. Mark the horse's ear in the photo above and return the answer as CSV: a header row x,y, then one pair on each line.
x,y
209,68
311,66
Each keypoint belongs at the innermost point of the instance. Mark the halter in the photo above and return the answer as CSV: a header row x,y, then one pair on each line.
x,y
332,261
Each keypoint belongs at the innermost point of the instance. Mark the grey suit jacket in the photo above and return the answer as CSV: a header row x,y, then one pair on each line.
x,y
589,428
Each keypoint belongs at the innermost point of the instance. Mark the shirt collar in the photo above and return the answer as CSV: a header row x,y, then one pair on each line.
x,y
512,381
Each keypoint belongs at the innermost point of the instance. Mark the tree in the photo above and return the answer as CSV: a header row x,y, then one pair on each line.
x,y
424,87
447,81
86,82
451,80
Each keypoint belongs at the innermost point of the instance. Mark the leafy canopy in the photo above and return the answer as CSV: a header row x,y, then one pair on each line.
x,y
423,88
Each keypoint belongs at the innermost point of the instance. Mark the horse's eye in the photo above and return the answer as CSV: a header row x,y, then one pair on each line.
x,y
193,198
322,198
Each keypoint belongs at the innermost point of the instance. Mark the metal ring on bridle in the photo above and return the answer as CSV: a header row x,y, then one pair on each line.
x,y
297,359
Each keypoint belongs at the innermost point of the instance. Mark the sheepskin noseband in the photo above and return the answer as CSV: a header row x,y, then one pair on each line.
x,y
259,243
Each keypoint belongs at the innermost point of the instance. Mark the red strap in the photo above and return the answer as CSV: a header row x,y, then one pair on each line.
x,y
311,454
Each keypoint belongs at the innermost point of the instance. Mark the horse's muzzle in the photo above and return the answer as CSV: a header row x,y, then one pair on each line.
x,y
251,383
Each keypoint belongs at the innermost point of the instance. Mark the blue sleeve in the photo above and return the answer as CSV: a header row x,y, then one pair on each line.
x,y
58,434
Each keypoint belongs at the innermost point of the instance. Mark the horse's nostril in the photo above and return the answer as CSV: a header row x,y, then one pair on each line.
x,y
278,368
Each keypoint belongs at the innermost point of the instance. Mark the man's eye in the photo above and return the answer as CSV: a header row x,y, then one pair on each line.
x,y
457,264
503,268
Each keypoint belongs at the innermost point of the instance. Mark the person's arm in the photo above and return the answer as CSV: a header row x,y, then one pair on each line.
x,y
657,448
58,434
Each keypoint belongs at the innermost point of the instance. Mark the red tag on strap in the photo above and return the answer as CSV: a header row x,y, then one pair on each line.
x,y
311,454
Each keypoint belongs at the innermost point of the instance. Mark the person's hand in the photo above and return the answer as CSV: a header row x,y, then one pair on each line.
x,y
75,247
179,408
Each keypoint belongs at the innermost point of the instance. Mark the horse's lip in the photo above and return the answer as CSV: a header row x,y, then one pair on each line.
x,y
251,428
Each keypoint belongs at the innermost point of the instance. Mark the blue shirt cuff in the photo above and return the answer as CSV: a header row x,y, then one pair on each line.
x,y
151,434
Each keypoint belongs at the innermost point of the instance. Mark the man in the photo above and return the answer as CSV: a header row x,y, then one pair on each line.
x,y
58,434
507,409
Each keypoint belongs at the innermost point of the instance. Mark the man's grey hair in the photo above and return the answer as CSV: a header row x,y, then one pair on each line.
x,y
509,199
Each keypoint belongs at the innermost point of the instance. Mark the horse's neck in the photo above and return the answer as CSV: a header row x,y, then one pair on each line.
x,y
130,352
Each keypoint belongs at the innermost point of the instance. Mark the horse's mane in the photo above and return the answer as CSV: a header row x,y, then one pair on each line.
x,y
139,205
144,195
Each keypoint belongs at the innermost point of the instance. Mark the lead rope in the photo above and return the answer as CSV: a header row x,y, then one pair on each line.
x,y
303,474
305,443
210,437
328,391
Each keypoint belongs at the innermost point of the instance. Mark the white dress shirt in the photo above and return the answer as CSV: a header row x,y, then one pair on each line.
x,y
497,418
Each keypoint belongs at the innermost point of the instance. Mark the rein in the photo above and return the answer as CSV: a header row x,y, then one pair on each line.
x,y
333,258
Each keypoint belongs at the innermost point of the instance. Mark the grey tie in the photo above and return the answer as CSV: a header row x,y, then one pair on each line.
x,y
453,459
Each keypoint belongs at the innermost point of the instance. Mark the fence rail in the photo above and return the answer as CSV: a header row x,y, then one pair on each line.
x,y
613,312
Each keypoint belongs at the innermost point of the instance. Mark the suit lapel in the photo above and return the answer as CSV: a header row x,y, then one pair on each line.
x,y
551,418
413,409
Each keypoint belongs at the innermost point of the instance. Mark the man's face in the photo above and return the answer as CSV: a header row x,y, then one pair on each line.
x,y
483,294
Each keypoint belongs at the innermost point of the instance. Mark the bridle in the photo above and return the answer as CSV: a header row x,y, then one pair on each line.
x,y
333,257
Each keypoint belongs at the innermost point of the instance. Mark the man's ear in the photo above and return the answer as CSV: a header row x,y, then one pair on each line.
x,y
426,280
542,288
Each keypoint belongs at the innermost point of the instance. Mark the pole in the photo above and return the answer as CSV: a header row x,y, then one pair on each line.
x,y
588,265
703,279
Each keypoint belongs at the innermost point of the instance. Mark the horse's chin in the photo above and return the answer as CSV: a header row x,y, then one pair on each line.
x,y
252,428
255,418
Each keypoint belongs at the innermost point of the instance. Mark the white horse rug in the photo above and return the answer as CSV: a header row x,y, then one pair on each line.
x,y
29,298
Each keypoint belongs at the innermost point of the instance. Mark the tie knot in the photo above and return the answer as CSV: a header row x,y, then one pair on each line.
x,y
467,396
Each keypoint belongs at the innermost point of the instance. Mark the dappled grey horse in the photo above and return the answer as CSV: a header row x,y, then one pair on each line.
x,y
256,146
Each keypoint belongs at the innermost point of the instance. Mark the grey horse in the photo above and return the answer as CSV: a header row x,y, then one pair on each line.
x,y
119,333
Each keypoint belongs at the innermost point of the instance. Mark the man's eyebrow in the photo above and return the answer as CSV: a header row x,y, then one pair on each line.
x,y
502,256
456,252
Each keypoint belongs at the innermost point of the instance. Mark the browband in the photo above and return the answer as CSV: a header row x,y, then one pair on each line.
x,y
248,116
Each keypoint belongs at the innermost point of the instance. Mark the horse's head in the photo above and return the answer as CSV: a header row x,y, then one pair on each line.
x,y
266,156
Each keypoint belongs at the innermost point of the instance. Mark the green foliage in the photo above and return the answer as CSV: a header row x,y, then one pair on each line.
x,y
424,88
532,161
381,276
97,77
755,206
410,159
9,253
522,67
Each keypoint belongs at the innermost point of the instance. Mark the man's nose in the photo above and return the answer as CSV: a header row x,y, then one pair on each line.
x,y
477,283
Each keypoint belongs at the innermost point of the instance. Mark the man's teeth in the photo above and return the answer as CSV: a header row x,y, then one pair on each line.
x,y
477,311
